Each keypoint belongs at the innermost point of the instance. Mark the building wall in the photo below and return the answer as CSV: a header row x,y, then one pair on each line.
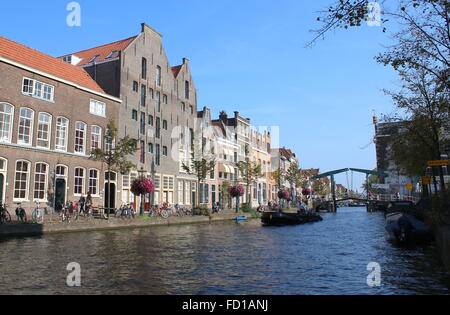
x,y
69,102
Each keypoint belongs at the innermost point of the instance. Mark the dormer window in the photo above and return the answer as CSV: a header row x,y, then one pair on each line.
x,y
94,59
111,54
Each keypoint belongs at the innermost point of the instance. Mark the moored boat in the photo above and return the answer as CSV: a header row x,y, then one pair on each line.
x,y
406,228
282,218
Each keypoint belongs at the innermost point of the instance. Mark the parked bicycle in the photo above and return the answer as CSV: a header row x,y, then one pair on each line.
x,y
21,213
156,211
182,211
125,212
65,212
87,213
38,214
5,217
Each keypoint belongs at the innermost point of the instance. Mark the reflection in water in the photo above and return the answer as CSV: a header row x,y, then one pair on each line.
x,y
329,257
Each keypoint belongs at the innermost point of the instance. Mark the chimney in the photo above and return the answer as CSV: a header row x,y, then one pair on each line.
x,y
185,61
223,117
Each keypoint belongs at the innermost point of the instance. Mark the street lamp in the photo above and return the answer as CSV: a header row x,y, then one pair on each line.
x,y
141,175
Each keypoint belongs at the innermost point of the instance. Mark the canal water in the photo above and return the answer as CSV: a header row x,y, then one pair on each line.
x,y
329,257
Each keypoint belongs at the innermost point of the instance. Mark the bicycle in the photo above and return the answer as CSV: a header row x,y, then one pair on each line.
x,y
65,213
155,211
38,214
5,217
21,213
125,212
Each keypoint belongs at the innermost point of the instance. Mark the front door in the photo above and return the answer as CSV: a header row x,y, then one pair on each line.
x,y
110,195
60,194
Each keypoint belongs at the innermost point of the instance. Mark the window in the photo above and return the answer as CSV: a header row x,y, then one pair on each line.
x,y
183,107
150,120
80,137
158,76
165,124
165,99
38,89
150,93
98,108
62,128
6,120
150,148
135,86
79,181
44,130
40,181
93,182
144,68
21,180
142,123
157,155
93,59
111,54
96,138
134,115
2,165
158,127
28,86
25,126
61,171
186,90
191,109
142,152
48,92
158,101
165,151
143,95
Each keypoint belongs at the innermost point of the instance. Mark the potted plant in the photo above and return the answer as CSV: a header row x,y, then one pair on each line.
x,y
237,192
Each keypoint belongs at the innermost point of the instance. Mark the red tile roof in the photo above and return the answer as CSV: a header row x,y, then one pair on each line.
x,y
176,70
101,51
37,60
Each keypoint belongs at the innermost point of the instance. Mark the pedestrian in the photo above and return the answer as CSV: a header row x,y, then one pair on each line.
x,y
81,203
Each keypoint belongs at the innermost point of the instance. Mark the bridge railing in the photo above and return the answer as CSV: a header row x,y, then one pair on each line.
x,y
394,197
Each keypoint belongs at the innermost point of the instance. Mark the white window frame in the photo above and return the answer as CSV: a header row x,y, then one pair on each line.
x,y
99,136
97,108
66,134
97,179
49,131
76,148
27,183
45,182
30,134
83,179
10,123
46,91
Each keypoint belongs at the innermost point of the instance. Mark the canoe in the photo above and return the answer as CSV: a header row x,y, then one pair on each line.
x,y
283,219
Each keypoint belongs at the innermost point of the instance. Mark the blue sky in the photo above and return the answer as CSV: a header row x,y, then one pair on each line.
x,y
245,55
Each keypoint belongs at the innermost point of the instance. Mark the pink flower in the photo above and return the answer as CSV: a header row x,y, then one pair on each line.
x,y
142,186
284,195
237,191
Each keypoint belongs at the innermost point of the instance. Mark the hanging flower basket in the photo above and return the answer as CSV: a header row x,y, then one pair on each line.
x,y
237,191
286,195
142,186
307,192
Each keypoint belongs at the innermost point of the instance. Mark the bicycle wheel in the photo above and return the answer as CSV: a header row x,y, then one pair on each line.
x,y
164,214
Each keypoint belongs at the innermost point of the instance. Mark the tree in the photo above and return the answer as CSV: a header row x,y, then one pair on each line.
x,y
420,53
292,175
249,171
201,164
320,187
115,155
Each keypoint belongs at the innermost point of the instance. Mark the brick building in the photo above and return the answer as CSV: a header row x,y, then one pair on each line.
x,y
159,108
52,115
